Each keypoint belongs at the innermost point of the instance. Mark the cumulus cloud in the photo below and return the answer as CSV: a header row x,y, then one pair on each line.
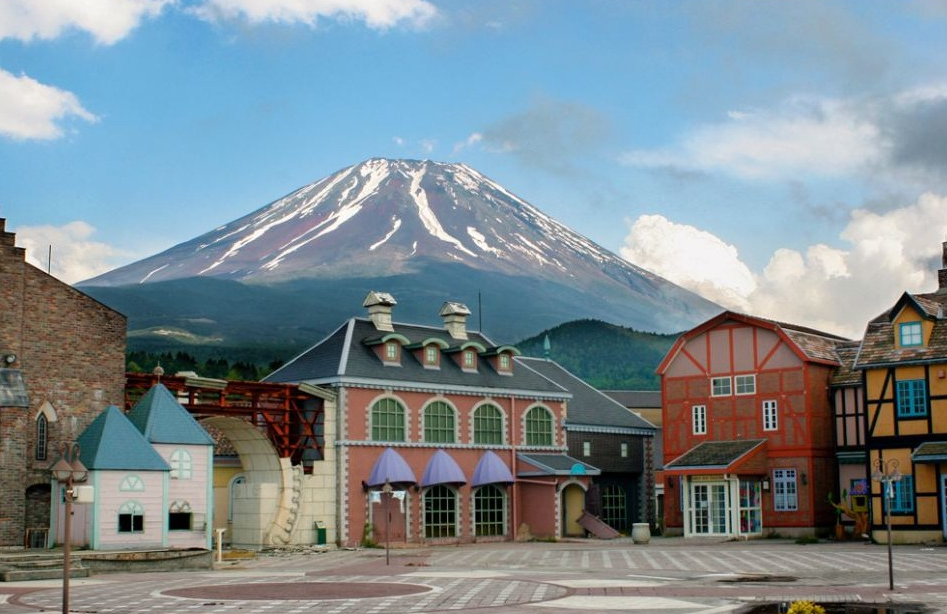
x,y
831,289
108,21
32,110
76,256
377,14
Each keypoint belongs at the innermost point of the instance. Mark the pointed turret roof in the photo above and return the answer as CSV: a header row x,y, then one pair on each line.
x,y
113,442
161,419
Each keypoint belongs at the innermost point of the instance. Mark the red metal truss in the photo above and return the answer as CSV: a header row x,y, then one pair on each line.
x,y
291,417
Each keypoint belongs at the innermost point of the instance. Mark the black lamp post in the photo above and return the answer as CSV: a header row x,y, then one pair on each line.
x,y
886,473
386,492
68,470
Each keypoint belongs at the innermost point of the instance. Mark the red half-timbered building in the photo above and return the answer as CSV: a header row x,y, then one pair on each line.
x,y
748,429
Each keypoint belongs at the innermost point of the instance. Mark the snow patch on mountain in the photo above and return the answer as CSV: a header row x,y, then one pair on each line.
x,y
391,233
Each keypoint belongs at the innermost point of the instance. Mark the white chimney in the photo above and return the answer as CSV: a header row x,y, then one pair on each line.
x,y
379,306
455,319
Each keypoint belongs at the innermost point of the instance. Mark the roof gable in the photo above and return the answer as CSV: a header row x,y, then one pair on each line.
x,y
161,419
111,441
809,344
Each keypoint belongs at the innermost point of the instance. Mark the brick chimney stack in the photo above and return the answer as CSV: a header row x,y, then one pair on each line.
x,y
942,273
379,306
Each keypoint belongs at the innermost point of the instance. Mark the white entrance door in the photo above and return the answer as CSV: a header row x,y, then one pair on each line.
x,y
709,508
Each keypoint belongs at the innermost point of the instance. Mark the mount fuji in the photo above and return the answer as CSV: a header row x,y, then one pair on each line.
x,y
424,231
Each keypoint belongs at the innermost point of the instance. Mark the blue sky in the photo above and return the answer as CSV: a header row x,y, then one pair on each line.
x,y
786,159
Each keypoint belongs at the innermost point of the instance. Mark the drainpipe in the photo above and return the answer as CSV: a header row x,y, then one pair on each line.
x,y
735,509
514,491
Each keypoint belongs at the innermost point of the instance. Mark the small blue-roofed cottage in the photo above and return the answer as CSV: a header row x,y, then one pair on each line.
x,y
189,451
129,480
151,475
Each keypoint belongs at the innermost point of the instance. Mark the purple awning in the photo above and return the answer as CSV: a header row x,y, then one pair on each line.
x,y
442,469
390,468
491,470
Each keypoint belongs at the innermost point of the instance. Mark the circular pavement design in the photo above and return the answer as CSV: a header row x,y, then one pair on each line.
x,y
299,591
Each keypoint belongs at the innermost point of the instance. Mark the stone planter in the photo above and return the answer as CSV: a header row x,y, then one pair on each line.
x,y
641,532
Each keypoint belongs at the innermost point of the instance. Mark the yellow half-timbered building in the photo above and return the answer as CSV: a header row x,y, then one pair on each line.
x,y
903,360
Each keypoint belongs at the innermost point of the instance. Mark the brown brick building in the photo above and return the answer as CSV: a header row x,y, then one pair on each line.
x,y
62,361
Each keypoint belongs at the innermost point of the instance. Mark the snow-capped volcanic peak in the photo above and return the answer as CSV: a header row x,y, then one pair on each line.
x,y
384,216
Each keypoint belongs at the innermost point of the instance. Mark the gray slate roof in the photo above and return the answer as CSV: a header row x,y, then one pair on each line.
x,y
712,454
636,399
930,452
161,419
554,464
111,441
589,407
347,357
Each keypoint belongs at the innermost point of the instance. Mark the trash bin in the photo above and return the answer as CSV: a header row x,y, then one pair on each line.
x,y
320,528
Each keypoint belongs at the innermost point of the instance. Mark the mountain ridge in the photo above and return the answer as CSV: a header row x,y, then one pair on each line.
x,y
431,230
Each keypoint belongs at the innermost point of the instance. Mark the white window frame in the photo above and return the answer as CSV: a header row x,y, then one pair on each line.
x,y
717,387
746,382
785,490
586,448
699,419
624,449
770,415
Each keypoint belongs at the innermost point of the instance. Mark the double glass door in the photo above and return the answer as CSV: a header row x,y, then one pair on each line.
x,y
709,509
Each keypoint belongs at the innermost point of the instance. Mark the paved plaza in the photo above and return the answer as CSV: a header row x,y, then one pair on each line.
x,y
672,576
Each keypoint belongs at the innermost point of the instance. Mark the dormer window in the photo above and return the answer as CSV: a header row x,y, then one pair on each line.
x,y
503,362
910,334
469,360
392,352
388,349
432,356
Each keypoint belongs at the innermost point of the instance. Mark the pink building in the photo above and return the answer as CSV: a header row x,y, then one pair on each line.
x,y
469,440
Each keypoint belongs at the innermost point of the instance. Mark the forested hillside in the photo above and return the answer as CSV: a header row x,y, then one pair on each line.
x,y
607,356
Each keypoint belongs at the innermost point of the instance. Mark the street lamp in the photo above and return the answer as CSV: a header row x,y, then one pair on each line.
x,y
386,489
68,470
886,473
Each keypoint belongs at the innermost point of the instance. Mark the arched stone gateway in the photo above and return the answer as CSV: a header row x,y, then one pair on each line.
x,y
276,504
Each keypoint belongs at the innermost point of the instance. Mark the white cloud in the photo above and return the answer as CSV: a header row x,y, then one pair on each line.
x,y
821,137
692,258
32,110
377,14
826,288
108,21
75,255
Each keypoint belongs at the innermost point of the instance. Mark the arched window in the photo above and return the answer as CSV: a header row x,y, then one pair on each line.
x,y
440,512
539,427
179,516
438,423
614,507
488,425
239,479
42,436
387,420
182,467
489,511
131,518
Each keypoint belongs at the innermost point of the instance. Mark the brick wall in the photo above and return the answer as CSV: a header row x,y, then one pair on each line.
x,y
71,352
